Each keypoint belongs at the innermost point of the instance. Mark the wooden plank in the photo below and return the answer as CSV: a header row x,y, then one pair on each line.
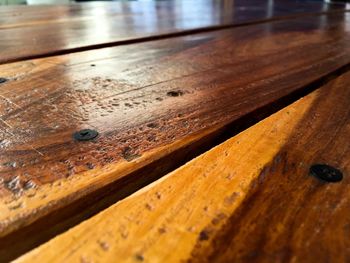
x,y
33,32
249,10
154,104
250,199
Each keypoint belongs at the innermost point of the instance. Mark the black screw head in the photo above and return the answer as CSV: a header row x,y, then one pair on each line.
x,y
2,80
85,135
326,173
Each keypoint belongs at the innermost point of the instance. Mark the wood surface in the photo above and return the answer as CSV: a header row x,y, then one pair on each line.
x,y
28,15
31,32
154,104
250,199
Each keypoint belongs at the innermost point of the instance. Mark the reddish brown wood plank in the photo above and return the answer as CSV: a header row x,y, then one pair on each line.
x,y
28,32
153,103
250,199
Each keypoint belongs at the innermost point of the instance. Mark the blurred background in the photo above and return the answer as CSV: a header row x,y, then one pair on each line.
x,y
33,2
53,2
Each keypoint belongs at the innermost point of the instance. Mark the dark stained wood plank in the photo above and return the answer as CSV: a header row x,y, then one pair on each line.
x,y
154,104
31,32
251,199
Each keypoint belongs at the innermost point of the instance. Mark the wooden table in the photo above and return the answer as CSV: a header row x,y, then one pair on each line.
x,y
175,131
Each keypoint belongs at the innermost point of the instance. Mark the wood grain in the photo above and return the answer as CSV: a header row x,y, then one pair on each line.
x,y
31,32
154,104
250,199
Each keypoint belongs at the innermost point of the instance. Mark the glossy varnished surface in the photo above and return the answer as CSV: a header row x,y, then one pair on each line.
x,y
28,32
21,16
251,199
147,101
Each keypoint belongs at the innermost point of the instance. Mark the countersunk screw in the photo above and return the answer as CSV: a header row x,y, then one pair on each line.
x,y
85,135
326,173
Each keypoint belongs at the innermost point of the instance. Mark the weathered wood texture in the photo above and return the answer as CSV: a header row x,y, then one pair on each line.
x,y
251,199
154,101
40,31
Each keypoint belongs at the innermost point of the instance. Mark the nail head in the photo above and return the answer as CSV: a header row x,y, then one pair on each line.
x,y
85,135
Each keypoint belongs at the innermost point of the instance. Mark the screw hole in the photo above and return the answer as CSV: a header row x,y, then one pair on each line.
x,y
326,173
175,93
